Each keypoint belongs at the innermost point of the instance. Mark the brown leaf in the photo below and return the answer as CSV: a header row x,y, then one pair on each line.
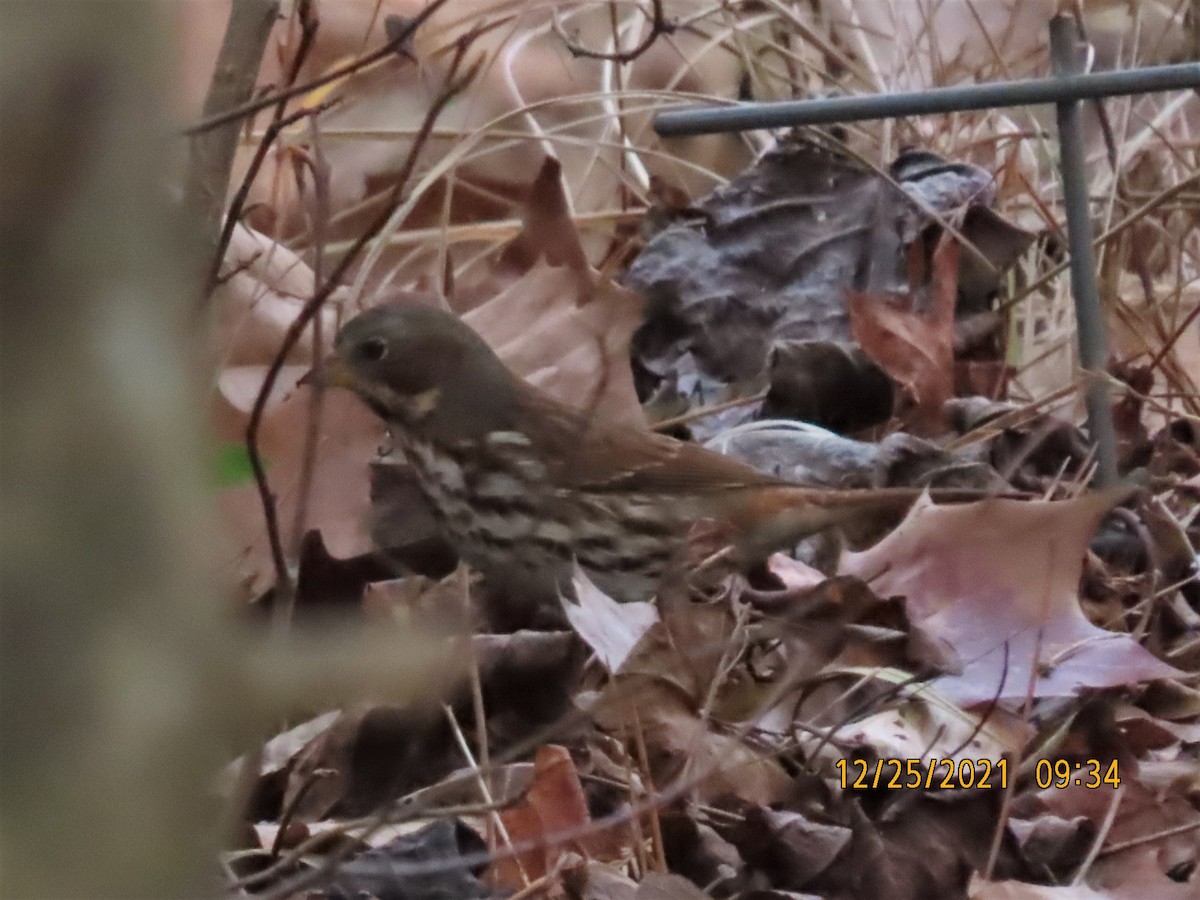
x,y
553,816
347,440
560,323
265,286
1141,870
914,345
256,306
661,690
579,354
797,849
685,748
1139,876
547,231
319,774
586,879
924,847
521,90
1001,243
1000,579
932,728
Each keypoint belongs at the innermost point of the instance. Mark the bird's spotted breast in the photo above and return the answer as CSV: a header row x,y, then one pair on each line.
x,y
489,497
496,505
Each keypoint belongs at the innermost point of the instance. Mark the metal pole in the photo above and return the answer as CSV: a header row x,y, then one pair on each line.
x,y
1093,341
789,113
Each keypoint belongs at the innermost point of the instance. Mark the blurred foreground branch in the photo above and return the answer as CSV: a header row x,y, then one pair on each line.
x,y
112,643
123,688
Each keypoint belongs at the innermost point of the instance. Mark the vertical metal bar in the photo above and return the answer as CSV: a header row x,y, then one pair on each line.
x,y
1093,341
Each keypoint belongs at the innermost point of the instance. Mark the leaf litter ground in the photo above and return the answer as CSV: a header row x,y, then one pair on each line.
x,y
690,745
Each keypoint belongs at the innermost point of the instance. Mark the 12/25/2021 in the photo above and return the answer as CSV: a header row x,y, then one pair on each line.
x,y
895,774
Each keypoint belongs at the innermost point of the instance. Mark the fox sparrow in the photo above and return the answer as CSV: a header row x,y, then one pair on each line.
x,y
522,485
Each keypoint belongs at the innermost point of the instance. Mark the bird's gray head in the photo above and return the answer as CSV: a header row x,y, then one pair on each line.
x,y
423,369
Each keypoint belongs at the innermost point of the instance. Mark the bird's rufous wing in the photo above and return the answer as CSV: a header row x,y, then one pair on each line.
x,y
597,456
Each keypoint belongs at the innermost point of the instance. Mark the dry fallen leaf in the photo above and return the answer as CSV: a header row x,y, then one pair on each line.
x,y
348,438
264,288
1168,824
998,580
661,691
1022,890
255,306
914,341
659,886
928,727
924,847
553,318
610,628
551,819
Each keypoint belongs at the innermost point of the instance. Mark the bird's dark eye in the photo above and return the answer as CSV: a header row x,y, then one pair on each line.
x,y
373,349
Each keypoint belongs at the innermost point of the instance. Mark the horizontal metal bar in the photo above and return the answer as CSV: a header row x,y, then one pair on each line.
x,y
824,111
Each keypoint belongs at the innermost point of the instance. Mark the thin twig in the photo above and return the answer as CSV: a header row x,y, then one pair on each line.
x,y
312,306
1110,816
289,811
483,748
1173,339
988,711
482,782
693,414
658,27
1010,788
318,165
237,205
395,45
1149,838
643,756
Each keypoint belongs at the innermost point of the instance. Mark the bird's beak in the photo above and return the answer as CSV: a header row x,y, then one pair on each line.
x,y
332,372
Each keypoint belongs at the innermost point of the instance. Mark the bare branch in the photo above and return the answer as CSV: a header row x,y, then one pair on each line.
x,y
658,27
212,152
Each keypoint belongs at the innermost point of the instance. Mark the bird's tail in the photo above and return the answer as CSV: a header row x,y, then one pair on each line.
x,y
775,520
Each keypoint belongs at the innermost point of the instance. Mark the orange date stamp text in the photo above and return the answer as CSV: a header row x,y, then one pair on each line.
x,y
945,774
